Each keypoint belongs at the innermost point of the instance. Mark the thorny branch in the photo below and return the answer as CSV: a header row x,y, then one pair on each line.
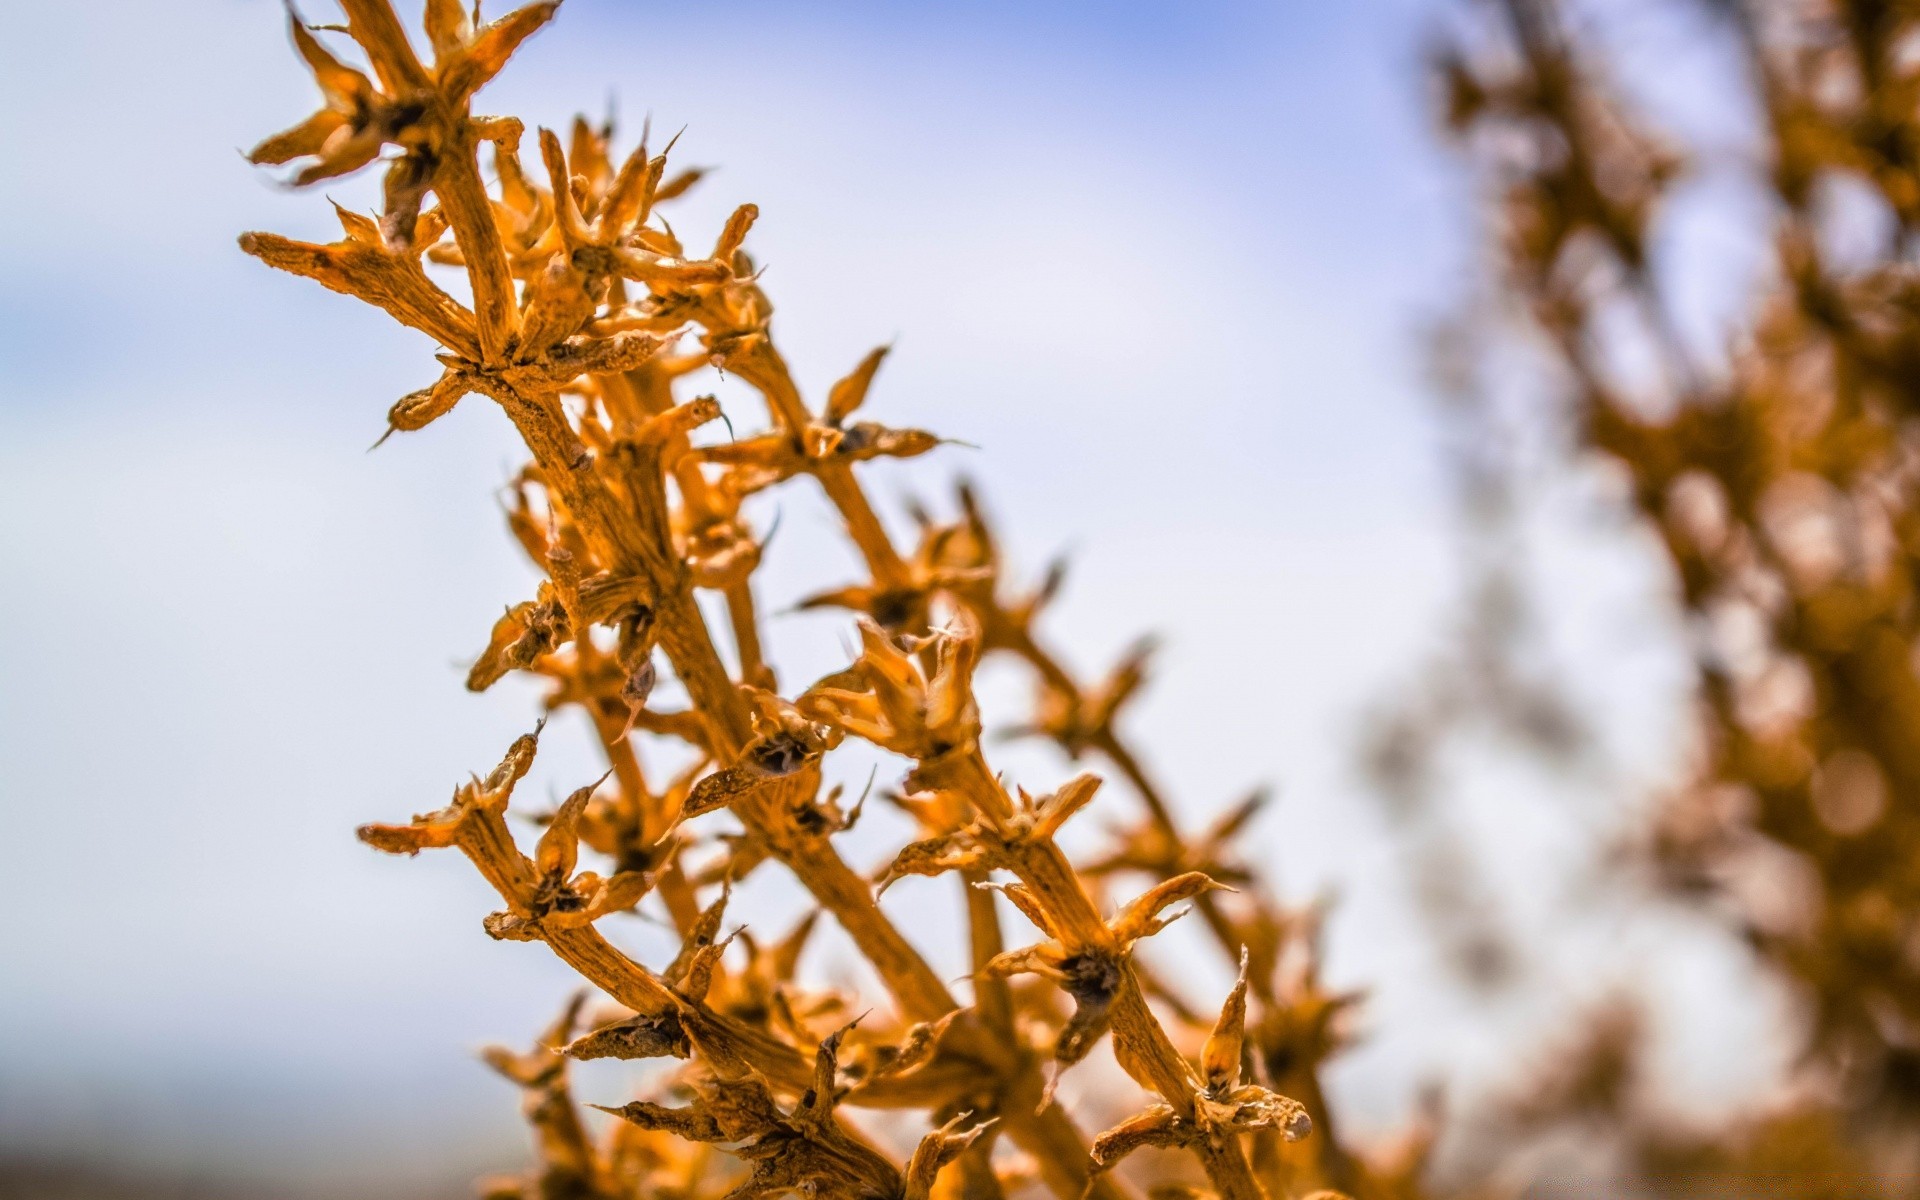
x,y
587,314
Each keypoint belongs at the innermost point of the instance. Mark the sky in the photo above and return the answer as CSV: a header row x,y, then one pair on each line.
x,y
1163,266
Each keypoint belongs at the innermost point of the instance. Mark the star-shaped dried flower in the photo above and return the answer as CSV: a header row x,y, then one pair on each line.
x,y
1223,1106
421,110
889,697
1089,971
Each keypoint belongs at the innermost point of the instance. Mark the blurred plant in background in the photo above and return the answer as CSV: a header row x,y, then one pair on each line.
x,y
1777,475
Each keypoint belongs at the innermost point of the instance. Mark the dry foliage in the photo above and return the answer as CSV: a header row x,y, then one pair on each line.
x,y
589,322
1780,477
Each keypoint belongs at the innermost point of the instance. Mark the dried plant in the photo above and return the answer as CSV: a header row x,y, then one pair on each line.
x,y
589,323
1780,475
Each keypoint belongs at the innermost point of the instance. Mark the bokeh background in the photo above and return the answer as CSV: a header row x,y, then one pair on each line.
x,y
1169,268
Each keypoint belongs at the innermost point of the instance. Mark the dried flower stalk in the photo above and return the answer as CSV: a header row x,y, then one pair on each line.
x,y
589,320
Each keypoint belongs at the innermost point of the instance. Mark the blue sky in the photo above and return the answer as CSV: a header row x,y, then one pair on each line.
x,y
1164,264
